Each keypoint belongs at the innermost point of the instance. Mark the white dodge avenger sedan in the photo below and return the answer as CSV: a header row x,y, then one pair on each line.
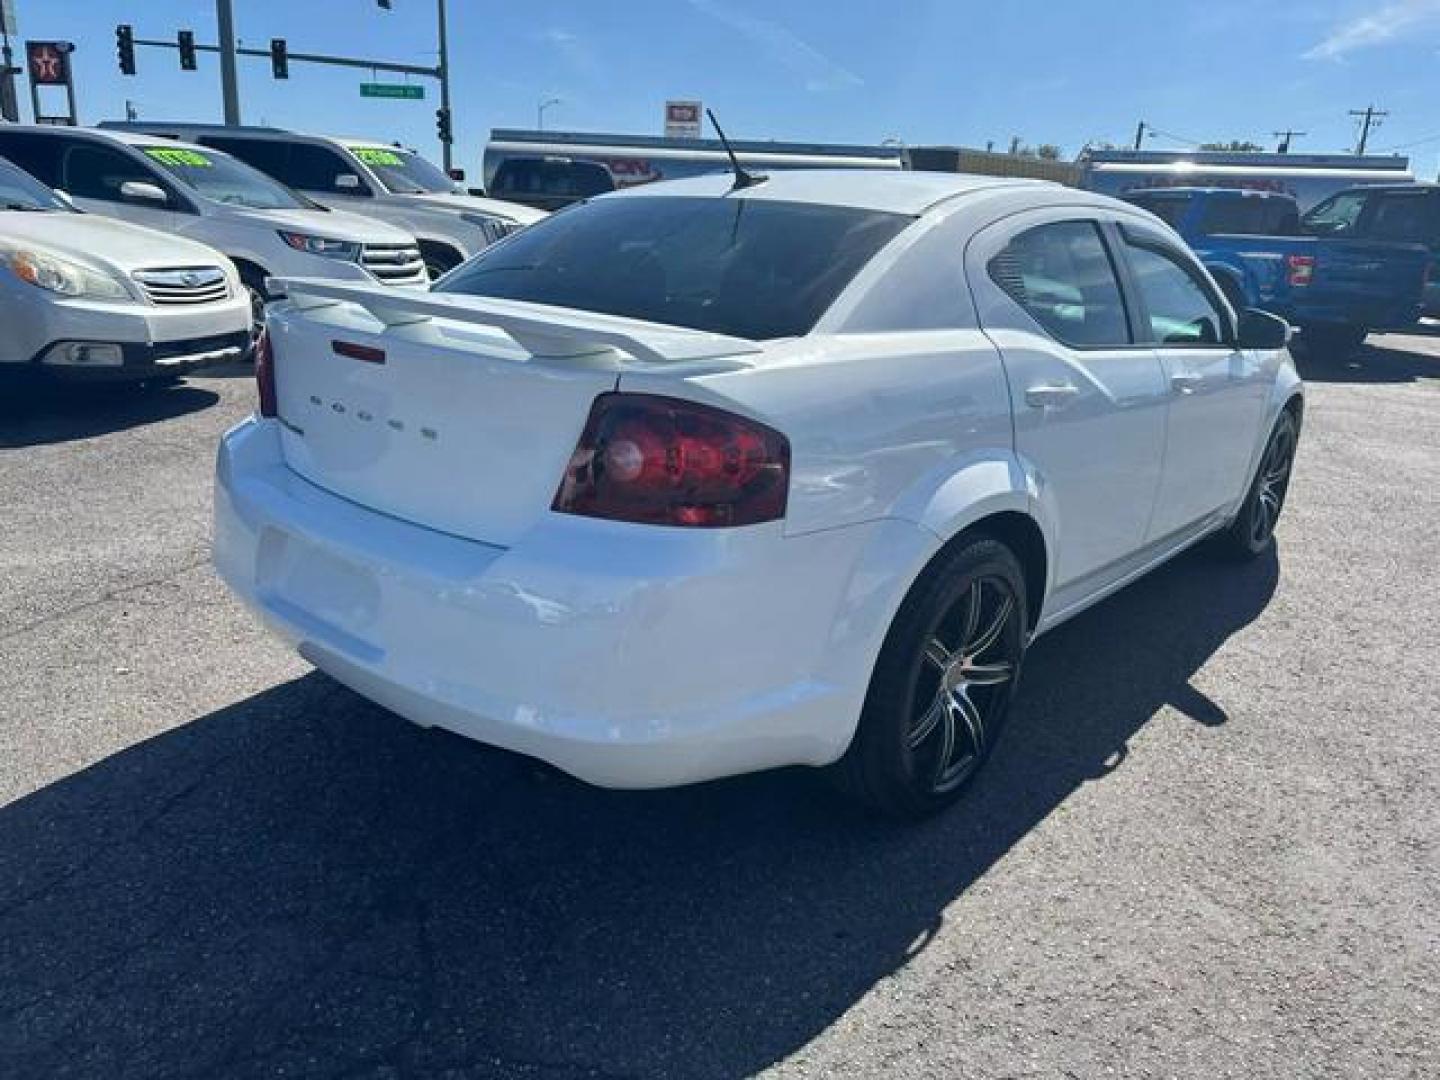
x,y
707,477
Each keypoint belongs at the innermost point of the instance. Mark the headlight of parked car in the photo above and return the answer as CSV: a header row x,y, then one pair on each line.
x,y
57,275
321,245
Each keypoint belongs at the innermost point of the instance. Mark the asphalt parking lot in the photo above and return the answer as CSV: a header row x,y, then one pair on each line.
x,y
1207,847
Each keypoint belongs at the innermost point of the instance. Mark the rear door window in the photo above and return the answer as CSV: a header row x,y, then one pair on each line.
x,y
1408,216
1062,275
39,155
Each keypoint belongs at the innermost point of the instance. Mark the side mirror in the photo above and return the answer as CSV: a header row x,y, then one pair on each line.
x,y
1260,330
144,192
347,182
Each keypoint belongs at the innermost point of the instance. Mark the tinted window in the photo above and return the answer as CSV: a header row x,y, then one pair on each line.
x,y
749,267
1062,275
39,155
1405,216
1168,208
577,179
94,171
1248,215
264,154
1178,306
1337,215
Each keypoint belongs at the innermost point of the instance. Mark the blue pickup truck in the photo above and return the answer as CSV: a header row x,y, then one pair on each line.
x,y
1334,290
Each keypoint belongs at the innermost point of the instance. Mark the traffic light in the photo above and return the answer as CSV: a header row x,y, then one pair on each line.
x,y
442,125
187,50
125,48
279,59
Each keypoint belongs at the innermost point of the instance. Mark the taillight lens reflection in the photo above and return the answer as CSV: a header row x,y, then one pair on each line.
x,y
1301,269
663,461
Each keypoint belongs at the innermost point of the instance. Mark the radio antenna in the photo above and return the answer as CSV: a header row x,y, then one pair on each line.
x,y
743,179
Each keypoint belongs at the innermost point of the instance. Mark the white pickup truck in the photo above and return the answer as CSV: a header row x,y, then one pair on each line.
x,y
379,180
82,296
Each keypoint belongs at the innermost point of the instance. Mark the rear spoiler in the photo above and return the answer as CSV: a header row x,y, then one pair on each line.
x,y
545,332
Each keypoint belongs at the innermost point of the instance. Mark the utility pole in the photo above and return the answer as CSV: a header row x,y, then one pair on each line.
x,y
1139,134
445,155
1285,137
9,102
1371,119
225,20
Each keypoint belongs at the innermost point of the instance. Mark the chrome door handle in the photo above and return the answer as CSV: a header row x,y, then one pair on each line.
x,y
1186,382
1050,395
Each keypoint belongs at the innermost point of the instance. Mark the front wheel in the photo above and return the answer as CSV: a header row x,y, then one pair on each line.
x,y
1253,529
942,685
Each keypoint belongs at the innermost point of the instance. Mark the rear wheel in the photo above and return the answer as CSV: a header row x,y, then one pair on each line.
x,y
942,685
252,279
1254,526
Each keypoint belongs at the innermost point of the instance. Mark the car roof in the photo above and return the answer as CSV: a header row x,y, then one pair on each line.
x,y
127,138
895,191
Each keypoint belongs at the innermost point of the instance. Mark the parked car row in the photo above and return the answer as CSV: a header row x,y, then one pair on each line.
x,y
1336,287
180,224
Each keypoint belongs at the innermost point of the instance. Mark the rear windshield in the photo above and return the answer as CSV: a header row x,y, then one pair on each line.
x,y
752,268
1168,208
1250,215
531,176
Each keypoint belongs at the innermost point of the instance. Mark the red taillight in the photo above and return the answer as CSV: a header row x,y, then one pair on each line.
x,y
1301,269
265,375
662,461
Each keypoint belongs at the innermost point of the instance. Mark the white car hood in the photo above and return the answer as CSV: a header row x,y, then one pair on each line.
x,y
331,224
101,242
525,215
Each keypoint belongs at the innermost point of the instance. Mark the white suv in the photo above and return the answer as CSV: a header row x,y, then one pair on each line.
x,y
193,191
82,296
386,182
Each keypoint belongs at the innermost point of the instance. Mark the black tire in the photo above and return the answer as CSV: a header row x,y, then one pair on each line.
x,y
1331,341
1253,530
922,738
439,260
252,279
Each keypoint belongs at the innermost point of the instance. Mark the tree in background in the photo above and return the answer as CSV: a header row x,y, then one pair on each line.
x,y
1235,146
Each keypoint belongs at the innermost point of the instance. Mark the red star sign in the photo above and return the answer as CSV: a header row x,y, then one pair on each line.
x,y
47,65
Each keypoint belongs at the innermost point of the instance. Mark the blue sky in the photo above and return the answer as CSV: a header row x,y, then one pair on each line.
x,y
919,70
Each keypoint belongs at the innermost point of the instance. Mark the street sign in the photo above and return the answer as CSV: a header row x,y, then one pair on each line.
x,y
49,62
392,90
682,119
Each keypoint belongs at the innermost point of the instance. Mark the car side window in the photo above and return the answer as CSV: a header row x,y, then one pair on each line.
x,y
1337,215
1062,275
39,155
97,172
1180,309
317,168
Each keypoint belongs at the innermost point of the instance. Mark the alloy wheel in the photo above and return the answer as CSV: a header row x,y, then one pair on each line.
x,y
968,662
1271,484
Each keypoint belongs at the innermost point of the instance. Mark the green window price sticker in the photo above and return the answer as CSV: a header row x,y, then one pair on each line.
x,y
371,156
189,159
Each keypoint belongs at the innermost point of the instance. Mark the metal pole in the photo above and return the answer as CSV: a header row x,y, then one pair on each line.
x,y
9,103
445,155
225,19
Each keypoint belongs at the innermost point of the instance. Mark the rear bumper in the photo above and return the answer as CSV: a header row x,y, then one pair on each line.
x,y
629,656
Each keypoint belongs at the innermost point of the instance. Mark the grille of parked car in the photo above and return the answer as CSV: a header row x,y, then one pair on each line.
x,y
184,285
394,264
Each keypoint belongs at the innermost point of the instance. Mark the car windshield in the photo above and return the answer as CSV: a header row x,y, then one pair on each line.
x,y
404,173
753,268
20,191
219,176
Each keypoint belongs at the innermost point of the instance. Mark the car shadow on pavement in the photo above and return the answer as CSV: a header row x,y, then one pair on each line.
x,y
1373,362
301,884
37,414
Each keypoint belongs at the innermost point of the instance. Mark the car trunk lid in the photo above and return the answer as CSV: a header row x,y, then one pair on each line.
x,y
456,413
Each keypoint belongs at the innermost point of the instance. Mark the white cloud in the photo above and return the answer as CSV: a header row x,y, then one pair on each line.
x,y
1378,27
816,71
